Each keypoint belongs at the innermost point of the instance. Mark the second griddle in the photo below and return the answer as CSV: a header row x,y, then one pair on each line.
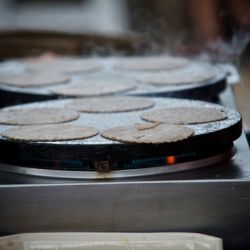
x,y
206,90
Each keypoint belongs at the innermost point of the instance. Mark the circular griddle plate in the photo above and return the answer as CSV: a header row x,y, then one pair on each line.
x,y
207,90
102,155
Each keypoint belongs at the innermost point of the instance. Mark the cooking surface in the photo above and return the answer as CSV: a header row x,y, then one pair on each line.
x,y
102,121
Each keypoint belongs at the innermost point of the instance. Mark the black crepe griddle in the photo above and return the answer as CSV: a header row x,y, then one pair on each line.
x,y
100,154
207,90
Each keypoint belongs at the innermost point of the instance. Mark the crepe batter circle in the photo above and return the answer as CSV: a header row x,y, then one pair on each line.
x,y
184,115
68,66
151,64
178,77
47,133
30,116
163,133
33,79
95,87
110,104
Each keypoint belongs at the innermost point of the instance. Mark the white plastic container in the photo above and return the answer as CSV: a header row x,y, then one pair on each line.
x,y
110,241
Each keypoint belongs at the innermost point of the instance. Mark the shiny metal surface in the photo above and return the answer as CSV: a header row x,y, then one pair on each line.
x,y
101,121
213,200
218,208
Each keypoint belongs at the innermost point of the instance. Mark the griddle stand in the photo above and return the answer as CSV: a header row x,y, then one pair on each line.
x,y
213,200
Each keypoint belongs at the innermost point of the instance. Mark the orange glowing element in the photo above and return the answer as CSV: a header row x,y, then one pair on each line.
x,y
170,159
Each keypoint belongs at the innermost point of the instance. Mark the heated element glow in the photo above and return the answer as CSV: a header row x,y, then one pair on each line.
x,y
170,159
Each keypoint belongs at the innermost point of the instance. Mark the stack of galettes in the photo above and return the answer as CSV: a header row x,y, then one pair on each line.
x,y
100,107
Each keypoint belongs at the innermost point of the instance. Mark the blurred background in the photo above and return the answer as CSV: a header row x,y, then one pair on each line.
x,y
203,24
215,30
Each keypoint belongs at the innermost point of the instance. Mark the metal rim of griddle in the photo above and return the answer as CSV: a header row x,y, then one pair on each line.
x,y
208,90
119,174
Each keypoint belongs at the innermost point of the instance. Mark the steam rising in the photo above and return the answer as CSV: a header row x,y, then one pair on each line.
x,y
229,52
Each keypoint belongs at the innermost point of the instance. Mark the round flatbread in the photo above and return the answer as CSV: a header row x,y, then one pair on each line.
x,y
33,79
185,115
96,87
46,133
178,77
151,64
30,116
68,66
110,104
162,133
